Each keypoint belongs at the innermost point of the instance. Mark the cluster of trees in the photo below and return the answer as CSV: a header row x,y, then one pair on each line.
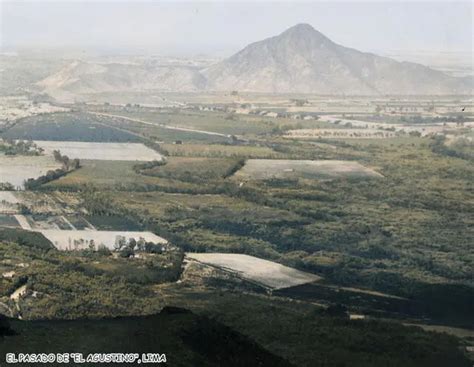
x,y
130,247
461,148
19,147
6,186
299,102
34,183
418,119
68,164
140,167
98,202
237,166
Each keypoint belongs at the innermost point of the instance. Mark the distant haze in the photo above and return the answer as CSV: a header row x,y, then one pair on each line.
x,y
222,28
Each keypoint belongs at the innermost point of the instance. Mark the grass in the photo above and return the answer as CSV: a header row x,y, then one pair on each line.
x,y
208,121
219,151
218,122
179,174
103,174
193,169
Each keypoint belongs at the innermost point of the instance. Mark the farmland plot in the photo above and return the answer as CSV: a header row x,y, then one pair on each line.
x,y
263,169
68,127
17,169
267,273
81,239
101,151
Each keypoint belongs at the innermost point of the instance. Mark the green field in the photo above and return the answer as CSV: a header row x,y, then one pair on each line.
x,y
67,127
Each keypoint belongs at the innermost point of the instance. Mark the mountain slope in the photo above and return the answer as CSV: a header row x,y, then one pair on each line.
x,y
86,77
303,60
300,60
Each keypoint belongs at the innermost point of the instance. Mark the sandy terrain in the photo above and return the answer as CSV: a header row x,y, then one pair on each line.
x,y
17,169
264,272
101,151
261,169
21,219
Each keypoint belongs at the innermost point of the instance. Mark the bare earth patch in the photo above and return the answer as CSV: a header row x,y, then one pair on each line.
x,y
267,273
262,169
17,169
101,151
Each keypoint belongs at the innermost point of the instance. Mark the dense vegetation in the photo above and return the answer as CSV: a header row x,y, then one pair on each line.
x,y
405,235
75,285
20,147
85,284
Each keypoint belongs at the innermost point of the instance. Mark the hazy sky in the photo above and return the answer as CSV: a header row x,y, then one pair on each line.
x,y
223,27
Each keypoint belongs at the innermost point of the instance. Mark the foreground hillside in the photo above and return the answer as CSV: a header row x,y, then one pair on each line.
x,y
230,324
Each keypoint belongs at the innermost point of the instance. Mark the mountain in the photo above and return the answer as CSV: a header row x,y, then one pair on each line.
x,y
81,77
300,60
303,60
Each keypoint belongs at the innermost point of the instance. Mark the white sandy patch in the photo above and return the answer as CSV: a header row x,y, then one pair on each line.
x,y
264,272
101,151
17,169
261,169
20,292
21,219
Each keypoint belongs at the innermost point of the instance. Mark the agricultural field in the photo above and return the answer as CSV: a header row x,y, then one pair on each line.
x,y
159,132
103,174
52,203
211,122
177,173
194,169
200,124
266,169
17,169
101,151
267,273
70,126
